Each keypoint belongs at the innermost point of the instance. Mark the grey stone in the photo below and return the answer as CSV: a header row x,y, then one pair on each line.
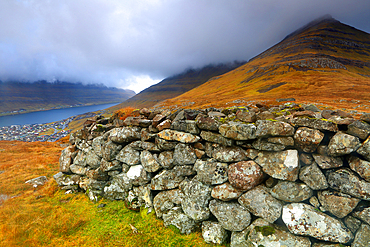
x,y
363,214
170,179
107,166
364,150
216,138
92,159
365,117
265,145
66,180
260,203
359,129
228,154
189,126
166,200
352,223
165,159
39,181
282,165
246,116
118,187
238,131
262,233
65,159
342,144
210,172
245,175
320,124
226,192
346,181
291,191
213,232
266,128
195,201
361,167
97,174
174,135
148,161
76,169
110,150
97,145
164,145
362,238
340,205
313,177
303,219
307,139
307,159
177,218
184,154
327,162
124,134
138,175
206,123
231,215
149,146
80,159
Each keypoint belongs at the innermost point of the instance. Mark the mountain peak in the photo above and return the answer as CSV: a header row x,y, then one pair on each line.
x,y
323,19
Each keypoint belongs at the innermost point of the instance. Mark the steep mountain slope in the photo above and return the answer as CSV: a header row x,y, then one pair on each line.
x,y
21,96
176,85
325,61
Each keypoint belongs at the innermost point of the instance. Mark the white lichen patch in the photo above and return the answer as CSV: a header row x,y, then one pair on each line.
x,y
134,171
291,160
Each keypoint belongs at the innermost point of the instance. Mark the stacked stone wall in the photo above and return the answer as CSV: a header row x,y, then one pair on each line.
x,y
289,175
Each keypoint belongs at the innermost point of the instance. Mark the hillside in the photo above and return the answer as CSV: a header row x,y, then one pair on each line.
x,y
176,85
21,96
325,61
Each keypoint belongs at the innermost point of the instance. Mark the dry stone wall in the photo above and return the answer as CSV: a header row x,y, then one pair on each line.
x,y
290,175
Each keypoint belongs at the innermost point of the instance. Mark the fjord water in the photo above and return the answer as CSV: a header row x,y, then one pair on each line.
x,y
42,117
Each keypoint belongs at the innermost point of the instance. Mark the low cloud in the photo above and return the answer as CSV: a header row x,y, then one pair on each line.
x,y
129,43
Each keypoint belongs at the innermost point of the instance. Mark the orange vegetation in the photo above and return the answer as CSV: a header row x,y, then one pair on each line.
x,y
123,113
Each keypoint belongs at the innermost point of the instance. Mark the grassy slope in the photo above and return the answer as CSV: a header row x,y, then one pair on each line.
x,y
175,85
33,96
45,216
329,39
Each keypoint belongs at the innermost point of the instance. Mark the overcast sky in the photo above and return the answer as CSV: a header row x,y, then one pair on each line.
x,y
135,43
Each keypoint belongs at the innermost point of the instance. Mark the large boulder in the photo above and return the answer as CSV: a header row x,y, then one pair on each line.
x,y
282,165
303,219
245,175
260,203
231,215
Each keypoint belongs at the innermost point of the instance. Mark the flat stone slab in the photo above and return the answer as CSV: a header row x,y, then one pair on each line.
x,y
174,135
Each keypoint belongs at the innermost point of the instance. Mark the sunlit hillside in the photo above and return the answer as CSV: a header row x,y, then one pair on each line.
x,y
326,61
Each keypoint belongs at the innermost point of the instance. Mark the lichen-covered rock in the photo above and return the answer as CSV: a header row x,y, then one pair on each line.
x,y
346,181
360,129
260,203
170,179
266,128
265,145
226,192
195,201
107,166
92,159
307,159
342,144
148,161
189,126
66,180
213,232
184,154
110,150
245,175
206,123
80,158
166,200
228,154
97,145
65,159
216,138
303,219
166,124
165,159
118,187
177,218
79,170
238,131
282,165
138,175
363,214
210,172
352,223
262,233
361,167
339,204
320,124
327,162
313,177
231,215
97,174
246,116
308,139
174,135
39,181
291,191
364,150
164,145
362,237
124,134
